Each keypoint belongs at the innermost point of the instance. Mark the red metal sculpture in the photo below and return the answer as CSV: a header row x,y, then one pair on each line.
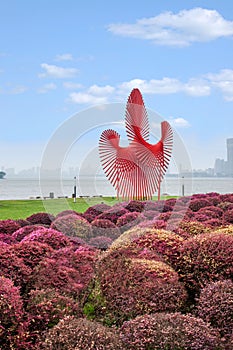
x,y
136,171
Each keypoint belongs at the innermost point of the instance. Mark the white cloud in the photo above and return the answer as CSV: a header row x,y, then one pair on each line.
x,y
70,85
101,90
181,29
64,57
179,122
46,88
20,89
57,72
224,82
197,87
86,98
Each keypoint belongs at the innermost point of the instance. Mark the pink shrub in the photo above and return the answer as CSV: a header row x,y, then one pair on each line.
x,y
206,258
6,238
40,219
211,212
97,209
25,230
8,226
168,331
215,306
67,212
134,205
228,216
81,334
105,227
53,238
113,214
73,225
32,252
134,286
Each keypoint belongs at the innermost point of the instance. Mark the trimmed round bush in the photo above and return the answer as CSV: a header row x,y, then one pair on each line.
x,y
192,228
206,258
211,212
105,227
134,286
8,239
67,212
169,331
41,219
52,237
25,230
11,315
73,226
8,226
13,267
228,216
198,203
32,252
22,222
46,307
81,334
113,214
129,220
97,209
134,205
100,242
215,306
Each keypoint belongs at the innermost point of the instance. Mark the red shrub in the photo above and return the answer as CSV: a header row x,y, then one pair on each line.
x,y
196,204
11,314
211,212
8,239
67,212
206,258
40,219
129,220
81,334
97,209
22,222
46,307
49,236
8,226
164,331
135,286
32,252
228,216
73,225
133,206
105,227
13,267
100,242
113,214
215,306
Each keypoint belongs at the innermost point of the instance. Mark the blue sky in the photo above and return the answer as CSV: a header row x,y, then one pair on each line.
x,y
60,57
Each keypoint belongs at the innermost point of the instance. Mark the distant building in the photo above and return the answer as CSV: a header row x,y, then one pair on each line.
x,y
230,157
220,167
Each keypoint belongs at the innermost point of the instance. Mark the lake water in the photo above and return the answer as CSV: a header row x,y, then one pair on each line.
x,y
86,186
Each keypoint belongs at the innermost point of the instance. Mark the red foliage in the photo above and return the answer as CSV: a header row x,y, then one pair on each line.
x,y
8,226
105,227
215,306
113,214
81,334
228,216
73,225
40,219
100,242
137,206
67,212
206,258
168,331
25,230
49,236
97,209
198,203
135,286
129,220
8,239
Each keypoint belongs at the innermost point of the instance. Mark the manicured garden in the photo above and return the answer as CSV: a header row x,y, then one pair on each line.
x,y
133,275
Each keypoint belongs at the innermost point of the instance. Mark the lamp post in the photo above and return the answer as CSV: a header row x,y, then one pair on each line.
x,y
75,190
183,186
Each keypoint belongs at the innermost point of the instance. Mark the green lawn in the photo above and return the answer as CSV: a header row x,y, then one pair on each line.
x,y
21,209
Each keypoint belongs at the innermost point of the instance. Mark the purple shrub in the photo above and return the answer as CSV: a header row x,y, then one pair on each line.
x,y
26,230
228,197
150,214
100,242
169,331
133,286
32,252
73,225
113,214
97,209
67,212
206,258
8,226
81,334
22,222
105,227
8,239
213,223
40,219
211,212
215,306
53,238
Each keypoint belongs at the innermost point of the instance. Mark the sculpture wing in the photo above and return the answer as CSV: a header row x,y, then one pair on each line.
x,y
136,120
